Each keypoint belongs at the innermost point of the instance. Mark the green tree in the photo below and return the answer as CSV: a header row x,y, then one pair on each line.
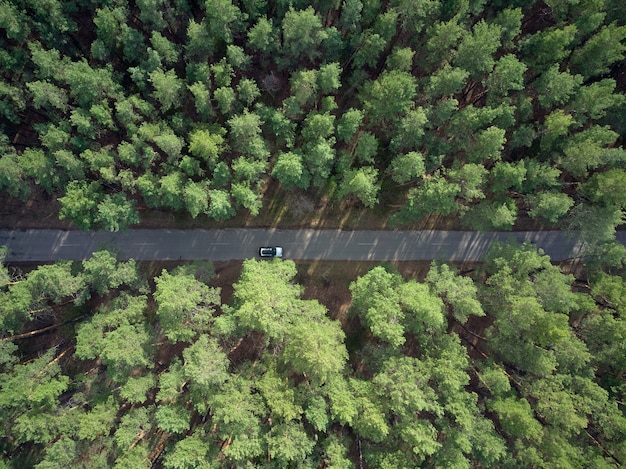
x,y
171,190
202,100
366,147
48,96
193,451
369,51
594,100
223,19
243,194
516,418
411,129
595,224
220,206
471,179
206,146
185,306
548,46
476,50
245,135
173,418
36,164
237,58
89,85
505,176
556,126
116,212
362,183
28,390
507,75
168,51
442,40
302,34
263,37
414,16
606,188
458,292
601,51
424,311
370,422
225,97
237,412
488,145
555,87
318,126
132,425
205,369
118,336
389,96
12,177
248,91
348,124
492,215
80,202
550,206
375,298
102,272
196,197
407,167
401,59
314,347
223,73
200,45
290,171
167,88
446,81
288,443
587,150
434,195
319,158
304,87
136,388
329,78
267,310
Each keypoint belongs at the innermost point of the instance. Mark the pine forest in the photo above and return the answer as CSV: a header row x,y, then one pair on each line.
x,y
358,114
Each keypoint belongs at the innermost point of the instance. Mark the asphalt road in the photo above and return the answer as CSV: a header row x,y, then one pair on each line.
x,y
229,244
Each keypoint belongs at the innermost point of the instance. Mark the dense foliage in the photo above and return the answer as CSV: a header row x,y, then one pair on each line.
x,y
484,110
515,366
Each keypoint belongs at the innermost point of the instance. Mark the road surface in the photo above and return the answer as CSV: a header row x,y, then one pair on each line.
x,y
229,244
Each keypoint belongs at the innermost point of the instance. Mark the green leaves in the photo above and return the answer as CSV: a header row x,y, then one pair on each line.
x,y
266,306
601,51
206,365
436,108
389,96
516,418
475,53
375,297
117,336
206,146
362,183
316,349
302,33
458,292
185,305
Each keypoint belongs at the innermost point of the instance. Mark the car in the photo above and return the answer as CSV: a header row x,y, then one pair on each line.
x,y
273,251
